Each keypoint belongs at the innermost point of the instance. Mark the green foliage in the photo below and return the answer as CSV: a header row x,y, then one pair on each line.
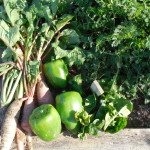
x,y
45,8
89,126
9,35
8,55
69,37
115,35
120,124
89,103
33,70
76,56
76,83
108,113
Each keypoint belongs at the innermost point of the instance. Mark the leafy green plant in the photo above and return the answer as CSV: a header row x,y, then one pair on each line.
x,y
115,35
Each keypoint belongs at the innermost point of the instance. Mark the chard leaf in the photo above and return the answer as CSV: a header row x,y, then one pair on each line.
x,y
46,8
69,37
12,13
10,35
31,15
50,35
45,26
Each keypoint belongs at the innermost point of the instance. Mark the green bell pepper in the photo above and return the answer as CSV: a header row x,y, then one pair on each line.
x,y
45,122
67,104
56,73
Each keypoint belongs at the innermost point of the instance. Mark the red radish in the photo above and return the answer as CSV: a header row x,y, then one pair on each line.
x,y
44,94
27,110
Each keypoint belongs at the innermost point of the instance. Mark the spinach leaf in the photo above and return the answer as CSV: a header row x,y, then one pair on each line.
x,y
120,123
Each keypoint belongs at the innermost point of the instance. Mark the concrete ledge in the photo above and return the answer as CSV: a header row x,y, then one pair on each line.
x,y
127,139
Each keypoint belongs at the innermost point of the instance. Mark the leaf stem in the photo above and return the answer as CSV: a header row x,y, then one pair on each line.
x,y
7,63
5,85
10,86
29,52
19,59
52,38
4,72
10,97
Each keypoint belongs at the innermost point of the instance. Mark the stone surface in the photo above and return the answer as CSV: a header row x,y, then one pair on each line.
x,y
127,139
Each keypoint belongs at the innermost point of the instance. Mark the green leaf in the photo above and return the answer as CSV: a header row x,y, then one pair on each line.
x,y
46,8
59,52
90,102
13,9
33,70
3,14
76,57
9,55
10,35
3,69
69,37
49,36
123,106
73,57
108,85
83,117
82,134
119,125
93,130
64,20
31,14
76,83
45,26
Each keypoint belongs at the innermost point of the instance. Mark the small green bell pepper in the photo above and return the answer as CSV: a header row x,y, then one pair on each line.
x,y
67,104
45,122
56,73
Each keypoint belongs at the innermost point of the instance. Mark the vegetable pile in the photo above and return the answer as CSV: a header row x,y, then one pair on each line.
x,y
51,55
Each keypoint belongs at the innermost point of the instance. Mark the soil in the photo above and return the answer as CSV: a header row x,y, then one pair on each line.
x,y
140,116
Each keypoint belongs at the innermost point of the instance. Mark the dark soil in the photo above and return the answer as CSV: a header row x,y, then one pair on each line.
x,y
140,117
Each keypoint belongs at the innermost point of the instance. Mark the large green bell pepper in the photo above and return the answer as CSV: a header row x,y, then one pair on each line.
x,y
56,73
45,122
67,104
